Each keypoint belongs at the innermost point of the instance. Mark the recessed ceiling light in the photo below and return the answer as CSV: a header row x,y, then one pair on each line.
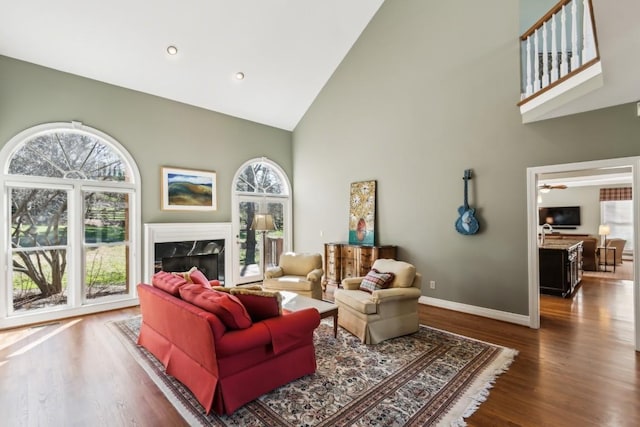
x,y
172,50
240,75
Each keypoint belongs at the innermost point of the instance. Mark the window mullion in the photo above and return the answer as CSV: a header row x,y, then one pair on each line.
x,y
75,263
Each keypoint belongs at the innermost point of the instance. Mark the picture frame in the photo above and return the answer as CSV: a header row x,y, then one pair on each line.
x,y
188,189
362,213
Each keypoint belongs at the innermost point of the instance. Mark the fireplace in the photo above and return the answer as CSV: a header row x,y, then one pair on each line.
x,y
181,256
180,246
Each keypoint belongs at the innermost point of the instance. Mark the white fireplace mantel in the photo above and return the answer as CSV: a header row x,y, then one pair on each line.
x,y
176,232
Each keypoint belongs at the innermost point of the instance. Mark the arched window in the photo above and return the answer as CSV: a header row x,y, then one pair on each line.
x,y
71,221
261,218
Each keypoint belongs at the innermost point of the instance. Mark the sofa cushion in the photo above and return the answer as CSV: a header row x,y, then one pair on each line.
x,y
227,307
288,283
359,301
168,282
376,280
404,272
259,304
225,289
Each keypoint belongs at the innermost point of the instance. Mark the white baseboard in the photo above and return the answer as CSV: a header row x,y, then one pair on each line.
x,y
504,316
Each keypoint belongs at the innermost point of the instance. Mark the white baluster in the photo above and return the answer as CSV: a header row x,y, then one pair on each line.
x,y
575,56
588,44
536,62
529,87
545,57
554,50
564,63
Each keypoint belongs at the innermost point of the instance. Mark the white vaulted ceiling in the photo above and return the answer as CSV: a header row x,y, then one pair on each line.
x,y
287,49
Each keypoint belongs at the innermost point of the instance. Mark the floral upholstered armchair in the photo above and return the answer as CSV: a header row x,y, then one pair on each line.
x,y
381,305
300,273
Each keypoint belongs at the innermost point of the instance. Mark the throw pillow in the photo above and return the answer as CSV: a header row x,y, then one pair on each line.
x,y
199,278
195,276
375,280
260,304
168,282
227,307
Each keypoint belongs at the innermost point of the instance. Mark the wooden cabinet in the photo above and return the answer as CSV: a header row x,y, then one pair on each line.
x,y
560,267
342,260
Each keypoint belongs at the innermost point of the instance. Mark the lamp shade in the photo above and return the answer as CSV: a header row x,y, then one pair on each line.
x,y
263,222
604,230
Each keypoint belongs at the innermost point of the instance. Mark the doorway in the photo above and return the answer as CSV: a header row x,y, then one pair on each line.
x,y
534,176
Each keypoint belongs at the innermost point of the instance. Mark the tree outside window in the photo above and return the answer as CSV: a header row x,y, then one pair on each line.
x,y
70,193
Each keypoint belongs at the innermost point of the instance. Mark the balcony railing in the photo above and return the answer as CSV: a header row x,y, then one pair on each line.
x,y
561,44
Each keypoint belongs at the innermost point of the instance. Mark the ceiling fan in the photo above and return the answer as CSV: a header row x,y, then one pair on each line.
x,y
546,187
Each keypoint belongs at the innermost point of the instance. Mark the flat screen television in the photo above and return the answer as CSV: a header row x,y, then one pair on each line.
x,y
567,216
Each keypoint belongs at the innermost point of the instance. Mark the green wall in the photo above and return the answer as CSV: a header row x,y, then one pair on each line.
x,y
157,132
428,90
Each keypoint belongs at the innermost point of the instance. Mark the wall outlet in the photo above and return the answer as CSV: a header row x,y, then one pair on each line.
x,y
432,284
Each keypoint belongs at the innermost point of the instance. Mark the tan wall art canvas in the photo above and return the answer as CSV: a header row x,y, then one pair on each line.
x,y
362,213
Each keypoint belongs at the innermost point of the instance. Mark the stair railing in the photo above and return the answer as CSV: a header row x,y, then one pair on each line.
x,y
569,24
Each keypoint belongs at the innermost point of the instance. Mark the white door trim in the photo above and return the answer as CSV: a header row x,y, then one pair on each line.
x,y
533,174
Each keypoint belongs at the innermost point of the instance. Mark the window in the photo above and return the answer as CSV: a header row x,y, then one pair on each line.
x,y
618,214
616,210
260,186
70,193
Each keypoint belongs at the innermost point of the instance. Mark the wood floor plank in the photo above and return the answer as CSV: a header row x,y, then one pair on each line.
x,y
579,369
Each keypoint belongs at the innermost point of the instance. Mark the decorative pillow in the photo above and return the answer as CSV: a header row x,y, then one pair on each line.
x,y
375,280
168,282
195,276
227,307
199,278
260,304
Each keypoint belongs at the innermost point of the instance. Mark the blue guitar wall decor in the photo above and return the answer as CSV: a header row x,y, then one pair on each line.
x,y
466,222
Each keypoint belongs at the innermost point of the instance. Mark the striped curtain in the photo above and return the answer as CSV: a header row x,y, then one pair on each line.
x,y
622,193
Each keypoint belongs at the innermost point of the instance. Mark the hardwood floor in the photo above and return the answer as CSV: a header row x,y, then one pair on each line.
x,y
76,372
579,369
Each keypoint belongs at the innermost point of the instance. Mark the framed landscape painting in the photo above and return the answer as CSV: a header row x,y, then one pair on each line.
x,y
188,190
362,213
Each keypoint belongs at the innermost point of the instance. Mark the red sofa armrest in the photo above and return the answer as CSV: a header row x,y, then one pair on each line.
x,y
290,329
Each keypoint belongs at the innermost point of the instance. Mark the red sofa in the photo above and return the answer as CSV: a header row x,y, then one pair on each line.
x,y
223,368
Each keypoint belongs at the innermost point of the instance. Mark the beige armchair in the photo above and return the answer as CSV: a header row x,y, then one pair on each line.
x,y
383,313
619,245
299,273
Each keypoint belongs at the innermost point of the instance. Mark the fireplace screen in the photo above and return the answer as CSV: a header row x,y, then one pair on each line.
x,y
207,255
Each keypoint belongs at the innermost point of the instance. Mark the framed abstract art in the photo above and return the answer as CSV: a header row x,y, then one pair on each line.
x,y
188,190
362,213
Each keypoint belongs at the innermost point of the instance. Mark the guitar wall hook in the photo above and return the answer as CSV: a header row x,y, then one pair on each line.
x,y
466,223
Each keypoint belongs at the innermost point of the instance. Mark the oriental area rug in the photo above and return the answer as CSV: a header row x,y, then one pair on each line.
x,y
430,378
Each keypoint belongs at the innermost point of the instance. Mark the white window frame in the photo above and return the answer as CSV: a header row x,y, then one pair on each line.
x,y
75,304
243,196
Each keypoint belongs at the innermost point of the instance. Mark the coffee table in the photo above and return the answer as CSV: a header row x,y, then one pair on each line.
x,y
294,302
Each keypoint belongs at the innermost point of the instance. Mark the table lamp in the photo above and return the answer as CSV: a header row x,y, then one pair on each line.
x,y
604,230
